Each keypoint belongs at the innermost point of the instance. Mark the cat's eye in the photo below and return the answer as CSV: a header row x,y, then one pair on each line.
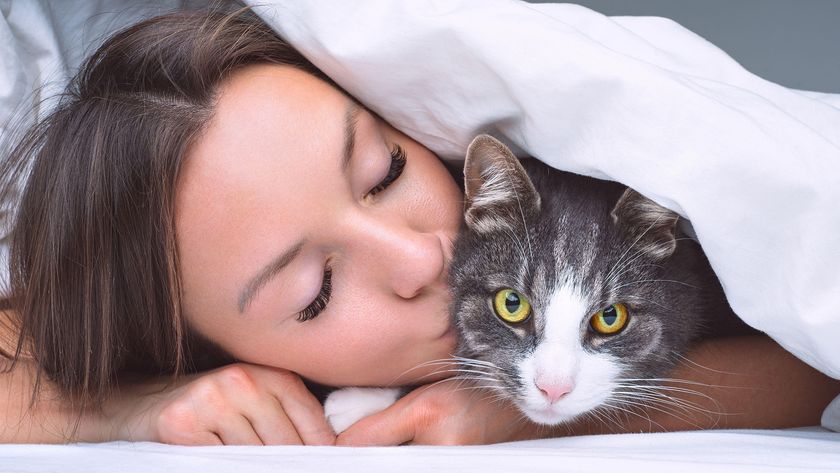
x,y
511,306
610,320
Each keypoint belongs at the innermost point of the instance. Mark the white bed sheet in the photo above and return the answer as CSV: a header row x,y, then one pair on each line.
x,y
678,452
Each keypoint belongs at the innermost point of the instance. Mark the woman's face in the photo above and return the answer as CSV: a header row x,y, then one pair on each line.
x,y
293,184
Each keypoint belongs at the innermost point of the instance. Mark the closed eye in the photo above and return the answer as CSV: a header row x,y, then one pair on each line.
x,y
321,300
394,171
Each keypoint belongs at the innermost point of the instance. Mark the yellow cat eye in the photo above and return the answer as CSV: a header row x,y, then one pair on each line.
x,y
610,320
511,306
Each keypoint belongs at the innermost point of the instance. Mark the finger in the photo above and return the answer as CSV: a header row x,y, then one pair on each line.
x,y
392,426
272,424
307,414
201,439
300,406
237,430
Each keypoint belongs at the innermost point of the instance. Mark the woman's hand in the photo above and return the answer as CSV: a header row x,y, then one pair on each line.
x,y
448,412
238,404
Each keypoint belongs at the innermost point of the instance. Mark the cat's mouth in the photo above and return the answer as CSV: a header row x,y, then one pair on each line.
x,y
541,410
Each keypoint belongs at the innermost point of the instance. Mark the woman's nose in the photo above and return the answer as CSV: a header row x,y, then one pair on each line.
x,y
404,259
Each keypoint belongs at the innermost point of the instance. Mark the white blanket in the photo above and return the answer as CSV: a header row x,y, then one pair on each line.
x,y
686,452
753,165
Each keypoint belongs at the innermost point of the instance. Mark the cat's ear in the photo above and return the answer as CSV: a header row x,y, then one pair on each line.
x,y
499,193
651,226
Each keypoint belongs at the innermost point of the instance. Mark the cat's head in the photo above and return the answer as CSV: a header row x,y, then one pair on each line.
x,y
556,282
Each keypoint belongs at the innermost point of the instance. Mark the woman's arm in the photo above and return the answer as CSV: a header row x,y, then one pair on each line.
x,y
50,419
235,404
739,382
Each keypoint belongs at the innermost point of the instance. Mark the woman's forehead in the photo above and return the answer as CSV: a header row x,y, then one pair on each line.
x,y
265,115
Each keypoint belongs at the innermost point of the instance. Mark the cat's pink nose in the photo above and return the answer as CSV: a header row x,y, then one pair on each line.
x,y
554,390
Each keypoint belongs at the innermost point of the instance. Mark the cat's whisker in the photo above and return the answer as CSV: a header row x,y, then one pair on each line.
x,y
676,381
611,413
662,390
465,370
515,238
614,411
454,371
675,389
432,375
435,383
621,267
628,266
473,360
508,172
464,365
695,405
494,398
698,365
712,416
655,407
610,416
628,408
655,281
658,218
444,362
439,361
683,405
621,257
482,382
593,414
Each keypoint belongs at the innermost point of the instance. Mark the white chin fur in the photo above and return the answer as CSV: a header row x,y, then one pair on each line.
x,y
564,410
559,358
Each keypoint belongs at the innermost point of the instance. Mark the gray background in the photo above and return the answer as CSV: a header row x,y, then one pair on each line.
x,y
795,43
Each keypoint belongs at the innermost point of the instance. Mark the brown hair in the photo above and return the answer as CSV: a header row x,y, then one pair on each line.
x,y
94,285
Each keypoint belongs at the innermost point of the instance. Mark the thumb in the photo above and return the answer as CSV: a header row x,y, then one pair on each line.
x,y
392,426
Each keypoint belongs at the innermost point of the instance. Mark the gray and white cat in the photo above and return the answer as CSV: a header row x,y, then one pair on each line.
x,y
570,294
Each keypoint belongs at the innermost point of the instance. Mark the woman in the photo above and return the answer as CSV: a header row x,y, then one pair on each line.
x,y
204,196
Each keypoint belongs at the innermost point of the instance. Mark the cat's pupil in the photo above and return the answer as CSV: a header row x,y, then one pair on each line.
x,y
610,316
512,302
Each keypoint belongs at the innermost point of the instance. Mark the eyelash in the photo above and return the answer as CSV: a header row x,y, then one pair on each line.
x,y
394,172
323,298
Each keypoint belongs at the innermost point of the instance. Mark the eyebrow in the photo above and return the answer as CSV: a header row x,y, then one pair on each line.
x,y
351,117
283,259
